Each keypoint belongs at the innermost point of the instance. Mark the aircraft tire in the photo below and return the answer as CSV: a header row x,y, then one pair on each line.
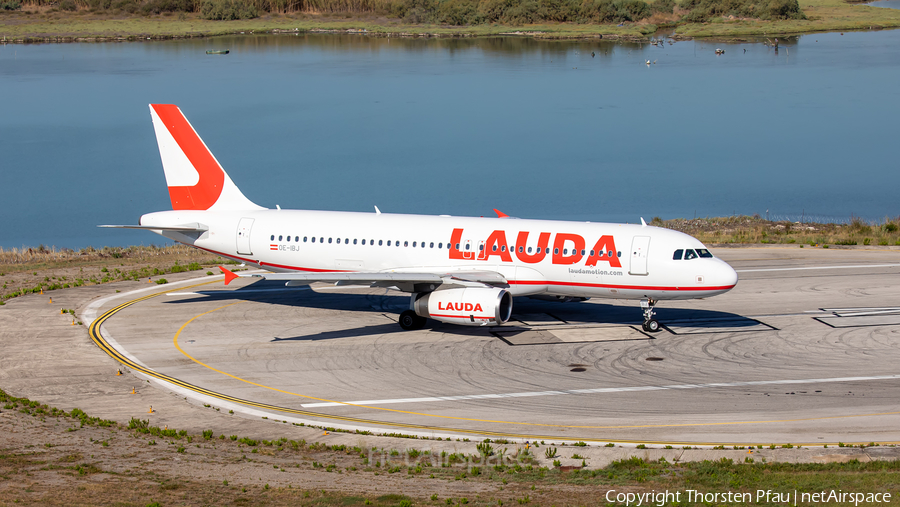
x,y
410,321
651,325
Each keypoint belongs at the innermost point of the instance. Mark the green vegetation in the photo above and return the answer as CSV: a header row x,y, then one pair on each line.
x,y
630,19
37,409
449,12
22,261
756,230
700,11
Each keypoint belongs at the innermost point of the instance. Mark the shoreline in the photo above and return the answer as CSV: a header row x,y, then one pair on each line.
x,y
54,26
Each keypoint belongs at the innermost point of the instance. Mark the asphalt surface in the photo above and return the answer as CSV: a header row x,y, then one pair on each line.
x,y
803,351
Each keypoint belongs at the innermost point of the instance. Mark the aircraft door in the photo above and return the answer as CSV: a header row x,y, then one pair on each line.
x,y
243,236
640,248
468,253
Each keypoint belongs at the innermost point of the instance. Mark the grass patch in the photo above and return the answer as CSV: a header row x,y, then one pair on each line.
x,y
755,230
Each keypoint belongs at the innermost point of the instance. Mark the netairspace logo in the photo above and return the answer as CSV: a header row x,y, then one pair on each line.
x,y
761,496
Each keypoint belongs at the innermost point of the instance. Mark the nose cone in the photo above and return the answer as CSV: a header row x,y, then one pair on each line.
x,y
726,276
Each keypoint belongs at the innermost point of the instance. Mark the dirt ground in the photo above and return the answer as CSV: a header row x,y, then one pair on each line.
x,y
54,460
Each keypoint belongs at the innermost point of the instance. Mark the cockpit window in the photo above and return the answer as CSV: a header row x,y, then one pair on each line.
x,y
690,254
702,252
678,254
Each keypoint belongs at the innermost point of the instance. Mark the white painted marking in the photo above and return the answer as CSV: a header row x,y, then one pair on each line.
x,y
257,291
804,268
232,292
600,390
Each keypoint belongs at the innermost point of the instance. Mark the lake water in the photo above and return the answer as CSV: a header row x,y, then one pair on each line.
x,y
888,4
537,129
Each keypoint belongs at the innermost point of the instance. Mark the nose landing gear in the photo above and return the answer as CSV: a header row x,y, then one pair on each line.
x,y
650,324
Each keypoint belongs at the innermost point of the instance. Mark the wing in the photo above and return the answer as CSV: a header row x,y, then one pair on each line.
x,y
406,282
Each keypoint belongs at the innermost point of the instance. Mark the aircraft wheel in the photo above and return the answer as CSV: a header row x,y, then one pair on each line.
x,y
651,325
410,321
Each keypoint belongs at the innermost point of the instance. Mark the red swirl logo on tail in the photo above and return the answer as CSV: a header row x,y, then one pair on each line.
x,y
211,176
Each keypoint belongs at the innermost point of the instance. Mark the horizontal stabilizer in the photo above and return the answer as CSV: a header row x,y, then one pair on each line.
x,y
178,228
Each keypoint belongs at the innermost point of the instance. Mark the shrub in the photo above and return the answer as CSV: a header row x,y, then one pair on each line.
x,y
559,10
11,5
458,12
662,7
227,10
703,10
615,11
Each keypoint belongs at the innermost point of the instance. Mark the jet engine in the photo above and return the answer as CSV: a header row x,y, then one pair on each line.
x,y
470,306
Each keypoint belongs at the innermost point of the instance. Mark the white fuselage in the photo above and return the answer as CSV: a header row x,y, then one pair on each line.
x,y
578,259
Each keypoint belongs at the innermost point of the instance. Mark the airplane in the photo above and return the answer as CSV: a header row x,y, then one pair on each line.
x,y
459,270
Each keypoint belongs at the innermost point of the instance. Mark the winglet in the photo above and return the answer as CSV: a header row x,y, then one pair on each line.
x,y
643,224
229,276
500,214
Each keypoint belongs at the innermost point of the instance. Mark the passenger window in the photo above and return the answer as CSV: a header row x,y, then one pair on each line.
x,y
380,241
289,239
431,245
354,241
494,248
677,256
619,253
397,243
468,245
388,243
582,253
520,249
440,245
565,251
314,239
406,243
503,248
592,253
339,241
346,241
481,247
296,239
689,254
414,244
556,251
279,238
329,240
457,246
702,252
529,249
611,253
273,238
547,250
305,238
321,239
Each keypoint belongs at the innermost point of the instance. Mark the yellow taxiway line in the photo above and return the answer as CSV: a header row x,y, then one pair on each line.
x,y
97,337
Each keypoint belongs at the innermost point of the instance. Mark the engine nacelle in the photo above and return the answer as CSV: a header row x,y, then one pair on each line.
x,y
470,306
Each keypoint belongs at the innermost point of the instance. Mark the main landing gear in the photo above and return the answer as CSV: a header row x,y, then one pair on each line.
x,y
650,324
410,321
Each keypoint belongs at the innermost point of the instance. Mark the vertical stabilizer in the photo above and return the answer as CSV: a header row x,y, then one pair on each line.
x,y
195,178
